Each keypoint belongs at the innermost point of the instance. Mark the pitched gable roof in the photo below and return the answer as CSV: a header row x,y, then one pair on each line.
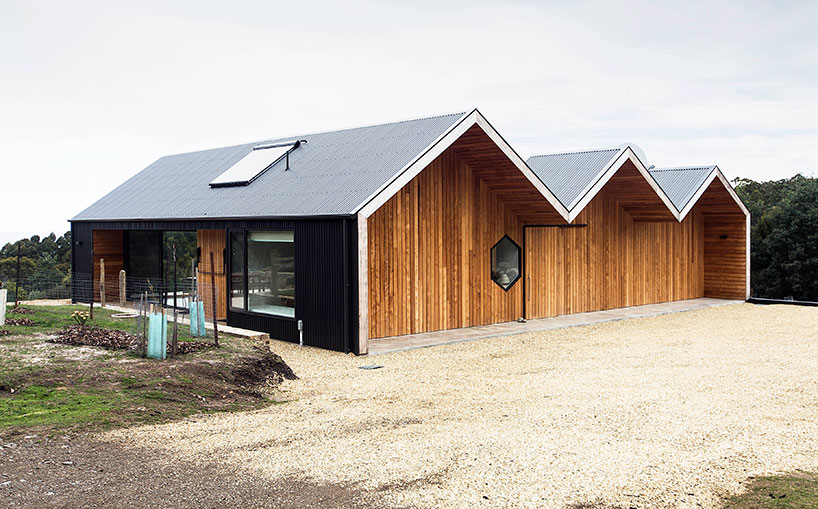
x,y
687,184
332,174
570,174
473,119
681,184
579,176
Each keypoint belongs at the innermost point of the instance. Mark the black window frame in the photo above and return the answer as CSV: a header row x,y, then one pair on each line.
x,y
243,233
245,236
519,261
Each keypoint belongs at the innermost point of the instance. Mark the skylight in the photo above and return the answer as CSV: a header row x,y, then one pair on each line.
x,y
253,165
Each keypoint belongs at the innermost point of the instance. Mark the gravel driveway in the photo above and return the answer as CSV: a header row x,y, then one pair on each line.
x,y
668,411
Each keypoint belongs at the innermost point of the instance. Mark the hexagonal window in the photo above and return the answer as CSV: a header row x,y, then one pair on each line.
x,y
505,263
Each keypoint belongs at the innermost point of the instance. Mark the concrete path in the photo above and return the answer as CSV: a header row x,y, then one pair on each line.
x,y
411,341
183,320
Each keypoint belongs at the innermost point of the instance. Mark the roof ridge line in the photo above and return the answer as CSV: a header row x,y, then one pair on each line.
x,y
685,168
458,114
577,152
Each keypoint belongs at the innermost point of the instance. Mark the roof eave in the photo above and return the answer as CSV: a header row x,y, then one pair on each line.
x,y
208,218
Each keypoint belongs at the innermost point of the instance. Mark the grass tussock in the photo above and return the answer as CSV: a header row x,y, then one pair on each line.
x,y
793,490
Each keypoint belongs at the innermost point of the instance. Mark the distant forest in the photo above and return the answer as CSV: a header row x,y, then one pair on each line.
x,y
784,245
45,266
45,263
784,236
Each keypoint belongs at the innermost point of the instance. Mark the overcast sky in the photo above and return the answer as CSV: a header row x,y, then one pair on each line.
x,y
92,92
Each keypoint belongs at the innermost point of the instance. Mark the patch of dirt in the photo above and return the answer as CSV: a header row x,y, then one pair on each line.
x,y
149,391
80,471
22,311
264,368
4,332
28,322
47,302
596,504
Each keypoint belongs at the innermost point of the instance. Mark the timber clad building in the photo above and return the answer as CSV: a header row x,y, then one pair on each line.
x,y
423,225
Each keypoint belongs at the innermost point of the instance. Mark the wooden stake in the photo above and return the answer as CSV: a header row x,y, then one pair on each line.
x,y
166,286
145,327
213,297
102,282
141,325
17,279
91,289
175,316
122,288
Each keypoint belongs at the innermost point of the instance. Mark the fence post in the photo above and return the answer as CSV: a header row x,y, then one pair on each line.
x,y
102,282
3,294
91,288
166,285
175,311
213,297
17,279
145,328
122,298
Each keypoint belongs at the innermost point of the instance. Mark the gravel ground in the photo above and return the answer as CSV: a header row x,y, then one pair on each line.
x,y
668,411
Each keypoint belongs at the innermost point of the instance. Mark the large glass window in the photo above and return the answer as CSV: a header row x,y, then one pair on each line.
x,y
505,263
270,272
237,293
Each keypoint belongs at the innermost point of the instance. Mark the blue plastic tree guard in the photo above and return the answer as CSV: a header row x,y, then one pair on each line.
x,y
197,320
157,336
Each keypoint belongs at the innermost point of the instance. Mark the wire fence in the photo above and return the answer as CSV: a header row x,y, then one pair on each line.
x,y
134,294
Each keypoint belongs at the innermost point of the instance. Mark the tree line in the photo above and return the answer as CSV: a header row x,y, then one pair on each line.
x,y
784,236
44,263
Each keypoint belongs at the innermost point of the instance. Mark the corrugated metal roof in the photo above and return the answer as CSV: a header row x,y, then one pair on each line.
x,y
568,175
332,174
680,184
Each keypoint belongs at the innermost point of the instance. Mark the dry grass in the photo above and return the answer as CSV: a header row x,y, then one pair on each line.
x,y
668,411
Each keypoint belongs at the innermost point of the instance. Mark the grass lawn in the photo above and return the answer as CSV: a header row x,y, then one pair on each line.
x,y
795,490
45,387
49,319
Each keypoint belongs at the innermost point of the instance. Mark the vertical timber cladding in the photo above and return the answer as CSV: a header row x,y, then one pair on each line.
x,y
630,253
725,248
613,262
429,254
212,241
725,244
109,245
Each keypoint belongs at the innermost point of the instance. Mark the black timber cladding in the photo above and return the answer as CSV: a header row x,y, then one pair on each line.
x,y
325,279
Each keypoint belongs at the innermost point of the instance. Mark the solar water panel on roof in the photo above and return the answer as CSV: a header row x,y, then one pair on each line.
x,y
251,166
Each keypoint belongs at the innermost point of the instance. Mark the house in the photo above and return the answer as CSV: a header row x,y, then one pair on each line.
x,y
423,225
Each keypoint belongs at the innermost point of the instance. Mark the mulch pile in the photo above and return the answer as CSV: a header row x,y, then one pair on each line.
x,y
22,311
4,332
94,336
113,339
19,321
